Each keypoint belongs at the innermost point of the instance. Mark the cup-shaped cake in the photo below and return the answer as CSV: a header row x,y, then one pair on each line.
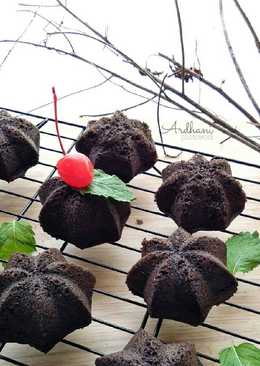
x,y
81,219
182,277
43,299
144,350
19,146
200,194
119,145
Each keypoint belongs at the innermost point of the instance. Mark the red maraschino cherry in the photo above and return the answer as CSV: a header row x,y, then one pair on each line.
x,y
75,169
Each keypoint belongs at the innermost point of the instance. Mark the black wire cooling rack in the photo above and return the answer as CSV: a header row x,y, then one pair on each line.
x,y
23,214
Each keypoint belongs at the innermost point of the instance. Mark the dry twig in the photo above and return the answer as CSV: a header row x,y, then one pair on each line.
x,y
234,59
18,39
71,94
249,24
160,89
52,23
182,43
219,90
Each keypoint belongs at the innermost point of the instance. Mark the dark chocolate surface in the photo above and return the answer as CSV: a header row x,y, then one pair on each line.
x,y
182,277
200,194
19,146
119,146
83,220
43,298
145,350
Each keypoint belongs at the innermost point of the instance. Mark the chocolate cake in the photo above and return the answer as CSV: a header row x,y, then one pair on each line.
x,y
19,146
144,350
200,194
83,220
182,277
42,299
119,146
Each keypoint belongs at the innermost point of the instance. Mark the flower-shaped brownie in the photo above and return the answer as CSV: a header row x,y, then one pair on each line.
x,y
19,146
200,194
119,146
84,220
144,350
182,277
42,299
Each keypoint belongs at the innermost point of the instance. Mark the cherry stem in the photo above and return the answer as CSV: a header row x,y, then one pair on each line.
x,y
55,100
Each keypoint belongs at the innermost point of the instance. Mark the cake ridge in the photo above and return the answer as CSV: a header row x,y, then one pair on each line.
x,y
49,301
179,281
84,220
199,194
146,350
19,146
118,145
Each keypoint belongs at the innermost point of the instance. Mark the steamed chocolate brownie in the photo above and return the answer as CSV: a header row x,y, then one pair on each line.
x,y
84,220
182,277
119,145
43,298
200,194
145,350
19,146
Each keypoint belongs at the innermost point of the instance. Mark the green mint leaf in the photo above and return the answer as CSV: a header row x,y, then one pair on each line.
x,y
245,354
109,186
16,237
243,252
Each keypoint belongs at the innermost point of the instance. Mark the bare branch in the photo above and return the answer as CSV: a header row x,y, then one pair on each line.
x,y
78,33
109,44
197,55
51,23
215,118
72,93
145,97
159,121
199,66
234,59
182,43
121,109
242,138
249,24
98,34
38,5
217,89
155,79
18,39
158,112
216,122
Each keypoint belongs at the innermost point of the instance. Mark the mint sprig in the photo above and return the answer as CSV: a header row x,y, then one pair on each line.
x,y
16,237
108,186
245,354
243,252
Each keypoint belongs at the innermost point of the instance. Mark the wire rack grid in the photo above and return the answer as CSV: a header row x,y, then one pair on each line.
x,y
43,123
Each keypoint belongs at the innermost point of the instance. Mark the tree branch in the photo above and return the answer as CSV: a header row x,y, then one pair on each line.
x,y
216,123
155,79
158,112
182,43
72,93
121,109
51,23
18,39
249,24
235,62
109,44
219,90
